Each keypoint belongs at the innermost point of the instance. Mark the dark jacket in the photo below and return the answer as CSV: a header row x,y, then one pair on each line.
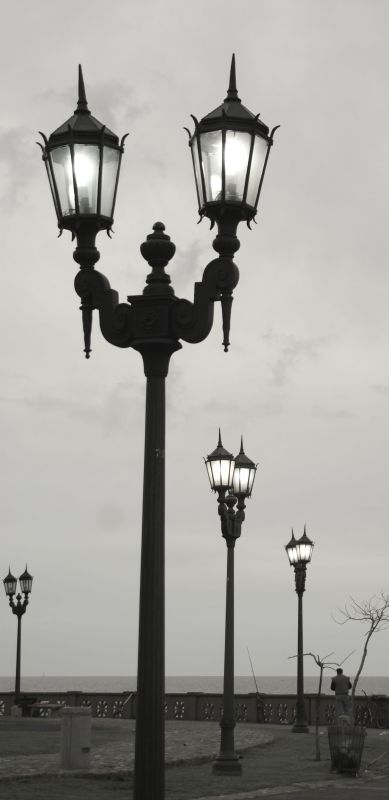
x,y
340,684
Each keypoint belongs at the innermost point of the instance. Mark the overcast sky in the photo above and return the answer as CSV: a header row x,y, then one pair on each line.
x,y
306,380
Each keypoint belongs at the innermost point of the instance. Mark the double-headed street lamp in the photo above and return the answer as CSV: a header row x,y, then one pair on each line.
x,y
300,553
18,608
232,479
230,149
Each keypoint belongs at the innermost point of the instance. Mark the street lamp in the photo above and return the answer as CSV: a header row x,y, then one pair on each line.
x,y
300,553
18,608
232,479
82,159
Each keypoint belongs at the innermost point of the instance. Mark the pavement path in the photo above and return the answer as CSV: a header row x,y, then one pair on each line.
x,y
185,741
197,742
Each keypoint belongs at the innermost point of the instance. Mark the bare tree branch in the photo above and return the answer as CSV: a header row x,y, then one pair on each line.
x,y
375,614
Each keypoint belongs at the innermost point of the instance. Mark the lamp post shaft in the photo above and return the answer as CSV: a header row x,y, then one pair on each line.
x,y
18,659
300,725
227,760
150,715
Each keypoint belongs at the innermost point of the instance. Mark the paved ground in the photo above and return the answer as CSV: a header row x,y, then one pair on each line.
x,y
198,742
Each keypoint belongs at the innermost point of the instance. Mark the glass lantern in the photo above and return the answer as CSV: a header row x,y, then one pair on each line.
x,y
10,583
82,159
220,467
244,474
25,581
230,149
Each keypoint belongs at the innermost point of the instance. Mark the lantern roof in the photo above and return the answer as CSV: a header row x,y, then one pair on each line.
x,y
241,460
25,576
10,583
232,112
82,126
304,539
9,577
220,453
292,542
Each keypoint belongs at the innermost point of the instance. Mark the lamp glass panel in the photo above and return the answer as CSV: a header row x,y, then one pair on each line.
x,y
292,555
25,584
220,473
197,171
108,181
240,481
236,156
304,552
257,165
50,177
10,586
62,168
86,169
211,153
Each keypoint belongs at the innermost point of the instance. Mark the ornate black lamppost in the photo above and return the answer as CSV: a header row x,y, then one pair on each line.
x,y
232,479
18,608
230,149
300,553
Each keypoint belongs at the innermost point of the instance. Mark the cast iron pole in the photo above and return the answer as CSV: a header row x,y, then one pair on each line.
x,y
18,655
228,760
300,725
150,717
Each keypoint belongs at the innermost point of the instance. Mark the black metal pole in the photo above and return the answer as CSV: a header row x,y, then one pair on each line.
x,y
228,761
150,711
18,654
300,725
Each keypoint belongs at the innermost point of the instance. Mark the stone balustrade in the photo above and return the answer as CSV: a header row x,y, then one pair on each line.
x,y
266,709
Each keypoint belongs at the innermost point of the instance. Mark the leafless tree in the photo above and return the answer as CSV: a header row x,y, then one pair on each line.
x,y
323,664
375,614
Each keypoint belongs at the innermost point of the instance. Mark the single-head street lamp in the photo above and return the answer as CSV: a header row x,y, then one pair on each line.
x,y
19,608
232,479
82,159
299,553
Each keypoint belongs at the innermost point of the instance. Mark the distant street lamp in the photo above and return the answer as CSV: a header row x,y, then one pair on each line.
x,y
18,608
230,149
232,479
300,553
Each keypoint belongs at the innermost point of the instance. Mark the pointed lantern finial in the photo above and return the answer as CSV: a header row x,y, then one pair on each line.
x,y
219,444
232,93
82,104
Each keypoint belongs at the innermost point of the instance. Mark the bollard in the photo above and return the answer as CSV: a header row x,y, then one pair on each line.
x,y
76,737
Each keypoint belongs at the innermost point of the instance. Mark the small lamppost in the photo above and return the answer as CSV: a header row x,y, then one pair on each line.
x,y
300,553
230,149
18,608
232,479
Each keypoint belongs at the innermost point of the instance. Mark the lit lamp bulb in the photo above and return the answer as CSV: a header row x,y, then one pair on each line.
x,y
84,176
235,159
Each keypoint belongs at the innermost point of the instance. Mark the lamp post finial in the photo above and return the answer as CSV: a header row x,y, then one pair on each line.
x,y
232,92
82,103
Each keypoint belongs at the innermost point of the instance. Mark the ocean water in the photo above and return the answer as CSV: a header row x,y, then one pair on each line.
x,y
270,684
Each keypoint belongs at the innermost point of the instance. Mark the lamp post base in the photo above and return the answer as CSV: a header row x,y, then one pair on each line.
x,y
227,766
300,727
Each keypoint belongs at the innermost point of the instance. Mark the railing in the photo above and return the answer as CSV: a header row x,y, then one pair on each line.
x,y
267,709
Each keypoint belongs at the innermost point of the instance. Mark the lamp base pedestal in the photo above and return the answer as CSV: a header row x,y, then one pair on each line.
x,y
300,727
227,766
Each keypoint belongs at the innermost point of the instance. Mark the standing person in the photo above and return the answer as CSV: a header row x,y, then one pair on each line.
x,y
341,684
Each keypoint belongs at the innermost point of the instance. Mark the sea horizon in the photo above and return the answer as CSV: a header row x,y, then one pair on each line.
x,y
268,684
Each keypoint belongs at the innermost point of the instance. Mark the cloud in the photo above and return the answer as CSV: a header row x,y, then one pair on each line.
x,y
110,518
50,403
381,389
113,103
16,159
291,352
